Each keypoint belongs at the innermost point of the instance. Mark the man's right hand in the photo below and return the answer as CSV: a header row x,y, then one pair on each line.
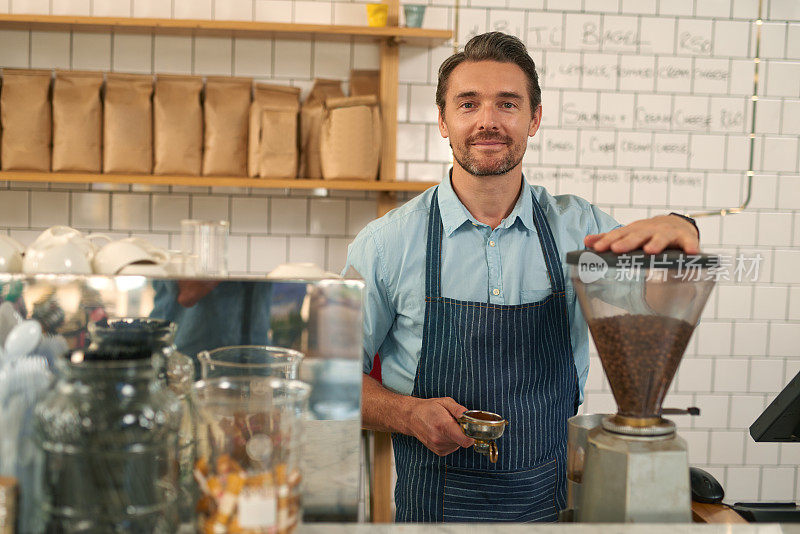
x,y
433,422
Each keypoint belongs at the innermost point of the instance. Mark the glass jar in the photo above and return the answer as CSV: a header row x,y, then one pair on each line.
x,y
248,466
249,360
133,337
109,435
8,505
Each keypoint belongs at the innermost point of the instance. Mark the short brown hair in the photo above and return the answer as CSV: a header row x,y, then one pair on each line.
x,y
492,46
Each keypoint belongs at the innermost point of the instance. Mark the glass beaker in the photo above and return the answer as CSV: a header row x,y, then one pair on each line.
x,y
208,242
249,441
249,360
140,337
109,435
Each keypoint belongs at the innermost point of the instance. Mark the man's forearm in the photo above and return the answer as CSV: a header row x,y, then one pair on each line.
x,y
382,409
432,421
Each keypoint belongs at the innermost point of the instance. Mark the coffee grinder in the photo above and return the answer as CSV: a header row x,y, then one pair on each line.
x,y
641,310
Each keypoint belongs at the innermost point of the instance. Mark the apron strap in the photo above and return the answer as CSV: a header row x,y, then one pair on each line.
x,y
549,248
556,274
433,252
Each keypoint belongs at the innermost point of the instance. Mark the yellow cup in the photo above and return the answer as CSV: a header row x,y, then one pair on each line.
x,y
377,14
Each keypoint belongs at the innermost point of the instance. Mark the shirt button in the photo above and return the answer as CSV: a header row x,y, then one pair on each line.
x,y
491,243
495,292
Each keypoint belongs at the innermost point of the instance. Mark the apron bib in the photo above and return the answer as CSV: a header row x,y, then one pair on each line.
x,y
512,360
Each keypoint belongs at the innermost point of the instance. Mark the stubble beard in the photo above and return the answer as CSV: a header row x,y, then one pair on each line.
x,y
477,166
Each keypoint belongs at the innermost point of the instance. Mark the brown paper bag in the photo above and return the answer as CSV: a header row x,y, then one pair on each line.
x,y
272,139
350,143
77,121
311,124
226,109
25,120
128,124
277,155
365,82
178,125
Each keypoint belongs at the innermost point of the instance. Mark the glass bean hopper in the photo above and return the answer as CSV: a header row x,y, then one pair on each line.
x,y
641,310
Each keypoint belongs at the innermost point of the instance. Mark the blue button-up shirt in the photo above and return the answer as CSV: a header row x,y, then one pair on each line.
x,y
500,266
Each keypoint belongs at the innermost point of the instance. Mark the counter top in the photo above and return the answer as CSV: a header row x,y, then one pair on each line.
x,y
573,528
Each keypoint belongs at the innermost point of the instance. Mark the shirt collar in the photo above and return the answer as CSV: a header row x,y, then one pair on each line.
x,y
454,214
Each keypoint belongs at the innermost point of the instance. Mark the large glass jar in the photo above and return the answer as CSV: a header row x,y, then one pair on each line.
x,y
109,435
132,337
248,466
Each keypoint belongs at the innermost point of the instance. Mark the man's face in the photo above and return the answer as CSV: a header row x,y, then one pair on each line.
x,y
487,116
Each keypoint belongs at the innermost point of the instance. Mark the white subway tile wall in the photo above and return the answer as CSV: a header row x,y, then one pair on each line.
x,y
192,9
152,9
646,110
106,8
172,54
71,7
233,10
212,56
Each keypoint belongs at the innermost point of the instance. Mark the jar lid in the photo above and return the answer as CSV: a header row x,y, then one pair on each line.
x,y
117,352
131,328
129,338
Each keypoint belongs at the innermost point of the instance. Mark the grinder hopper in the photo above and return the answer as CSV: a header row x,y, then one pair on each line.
x,y
641,310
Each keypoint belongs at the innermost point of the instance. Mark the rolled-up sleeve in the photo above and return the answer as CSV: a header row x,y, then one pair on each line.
x,y
365,256
603,222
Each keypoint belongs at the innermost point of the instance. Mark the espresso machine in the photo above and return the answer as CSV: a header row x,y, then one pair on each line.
x,y
641,309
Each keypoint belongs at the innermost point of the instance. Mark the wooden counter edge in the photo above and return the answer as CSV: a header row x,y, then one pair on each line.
x,y
714,513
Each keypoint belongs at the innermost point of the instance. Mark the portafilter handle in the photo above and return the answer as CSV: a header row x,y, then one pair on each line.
x,y
691,410
493,452
484,428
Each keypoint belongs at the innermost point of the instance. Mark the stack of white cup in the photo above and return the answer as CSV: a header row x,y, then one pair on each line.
x,y
65,250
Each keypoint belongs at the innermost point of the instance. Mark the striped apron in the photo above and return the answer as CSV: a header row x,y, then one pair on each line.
x,y
512,360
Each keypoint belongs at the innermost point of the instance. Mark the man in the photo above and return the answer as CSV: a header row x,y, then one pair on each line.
x,y
210,315
468,304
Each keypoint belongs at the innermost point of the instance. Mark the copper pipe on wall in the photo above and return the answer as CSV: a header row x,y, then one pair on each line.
x,y
754,101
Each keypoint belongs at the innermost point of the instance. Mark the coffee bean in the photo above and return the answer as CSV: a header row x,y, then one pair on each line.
x,y
640,354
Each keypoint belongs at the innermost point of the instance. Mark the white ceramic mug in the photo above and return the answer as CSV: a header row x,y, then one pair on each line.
x,y
14,243
142,242
10,255
58,234
118,255
62,257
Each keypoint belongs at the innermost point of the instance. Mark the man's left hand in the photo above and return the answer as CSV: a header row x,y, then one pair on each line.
x,y
652,235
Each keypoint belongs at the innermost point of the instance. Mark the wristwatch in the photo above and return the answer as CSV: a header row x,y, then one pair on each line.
x,y
690,220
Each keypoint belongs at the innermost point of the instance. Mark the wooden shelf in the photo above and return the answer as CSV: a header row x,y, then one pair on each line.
x,y
389,37
237,28
212,181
